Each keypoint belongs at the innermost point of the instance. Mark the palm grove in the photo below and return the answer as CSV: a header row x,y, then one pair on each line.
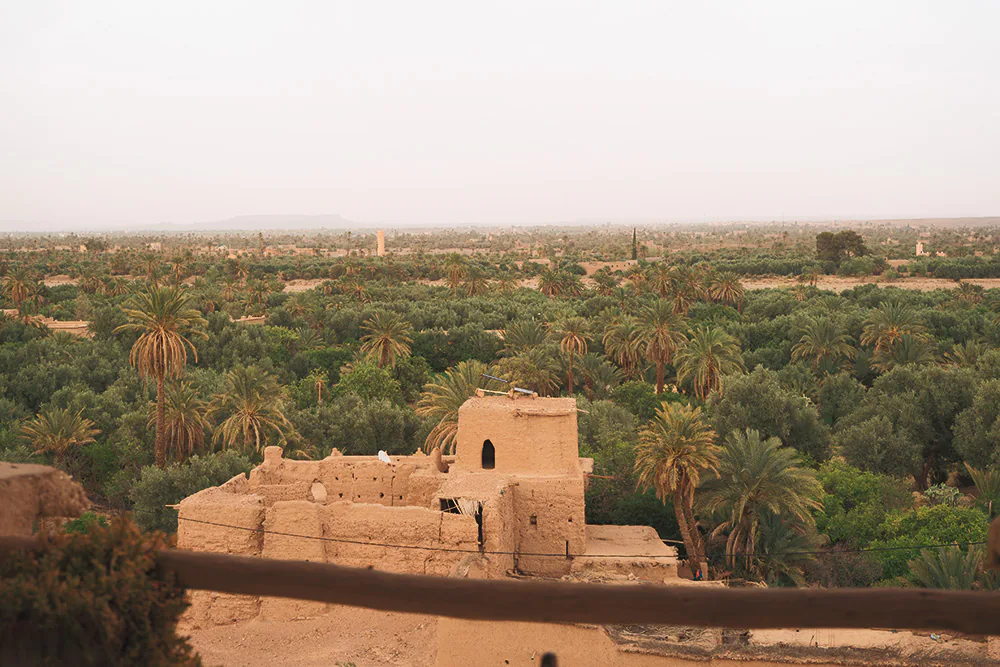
x,y
783,435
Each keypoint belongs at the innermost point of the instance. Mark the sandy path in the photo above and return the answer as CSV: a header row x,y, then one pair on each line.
x,y
365,637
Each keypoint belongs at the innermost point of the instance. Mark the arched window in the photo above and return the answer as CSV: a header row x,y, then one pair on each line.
x,y
489,456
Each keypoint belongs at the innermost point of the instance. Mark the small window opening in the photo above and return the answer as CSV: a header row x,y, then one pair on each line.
x,y
533,520
450,505
489,456
567,548
381,495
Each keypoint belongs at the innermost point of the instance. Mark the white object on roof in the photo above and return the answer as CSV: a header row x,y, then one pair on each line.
x,y
383,456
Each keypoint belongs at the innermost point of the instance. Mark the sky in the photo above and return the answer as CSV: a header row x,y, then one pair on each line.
x,y
398,113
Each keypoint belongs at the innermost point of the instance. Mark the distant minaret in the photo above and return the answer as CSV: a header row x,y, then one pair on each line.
x,y
635,249
381,244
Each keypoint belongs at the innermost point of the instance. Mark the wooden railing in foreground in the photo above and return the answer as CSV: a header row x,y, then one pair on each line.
x,y
556,602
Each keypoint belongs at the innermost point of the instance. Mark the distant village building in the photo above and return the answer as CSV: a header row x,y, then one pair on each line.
x,y
920,249
381,243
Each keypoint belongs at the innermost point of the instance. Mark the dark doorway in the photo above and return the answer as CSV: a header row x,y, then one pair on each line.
x,y
489,456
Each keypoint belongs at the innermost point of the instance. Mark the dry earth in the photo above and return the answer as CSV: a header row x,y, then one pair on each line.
x,y
346,635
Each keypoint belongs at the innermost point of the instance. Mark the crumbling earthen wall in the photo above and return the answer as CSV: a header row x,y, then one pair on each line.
x,y
359,479
412,540
29,492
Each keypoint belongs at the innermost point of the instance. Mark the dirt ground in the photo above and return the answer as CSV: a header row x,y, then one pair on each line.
x,y
346,635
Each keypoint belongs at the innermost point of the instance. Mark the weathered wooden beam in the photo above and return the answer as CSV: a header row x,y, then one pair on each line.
x,y
561,602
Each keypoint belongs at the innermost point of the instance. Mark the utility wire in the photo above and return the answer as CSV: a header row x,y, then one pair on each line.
x,y
563,555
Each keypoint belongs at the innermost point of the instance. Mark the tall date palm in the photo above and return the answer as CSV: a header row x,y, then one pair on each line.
x,y
710,355
166,322
572,334
387,338
675,448
662,333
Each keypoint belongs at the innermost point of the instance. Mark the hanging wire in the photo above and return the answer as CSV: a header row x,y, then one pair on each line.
x,y
390,545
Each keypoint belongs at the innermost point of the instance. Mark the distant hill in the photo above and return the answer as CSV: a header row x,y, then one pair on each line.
x,y
261,222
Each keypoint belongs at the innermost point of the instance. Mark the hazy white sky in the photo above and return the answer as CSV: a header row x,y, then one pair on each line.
x,y
514,112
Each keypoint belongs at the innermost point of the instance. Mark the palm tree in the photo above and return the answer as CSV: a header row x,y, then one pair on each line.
x,y
186,419
662,332
388,338
624,345
674,449
637,279
19,285
727,288
968,292
58,429
550,283
987,483
442,398
599,375
524,335
662,279
536,369
455,271
255,407
908,349
966,354
318,378
824,345
507,283
757,477
948,568
257,291
572,335
164,319
784,549
605,281
152,268
356,288
888,323
229,287
476,282
708,356
686,289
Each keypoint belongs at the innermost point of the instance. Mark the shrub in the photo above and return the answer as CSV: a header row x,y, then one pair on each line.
x,y
157,488
84,523
94,598
642,400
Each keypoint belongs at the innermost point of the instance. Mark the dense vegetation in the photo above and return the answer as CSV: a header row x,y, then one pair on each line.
x,y
92,597
785,435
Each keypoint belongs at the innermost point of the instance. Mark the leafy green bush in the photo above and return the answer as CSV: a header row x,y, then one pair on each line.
x,y
641,399
92,598
940,524
84,523
157,488
856,502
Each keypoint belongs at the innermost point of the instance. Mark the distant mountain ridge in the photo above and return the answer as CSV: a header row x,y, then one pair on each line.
x,y
276,221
